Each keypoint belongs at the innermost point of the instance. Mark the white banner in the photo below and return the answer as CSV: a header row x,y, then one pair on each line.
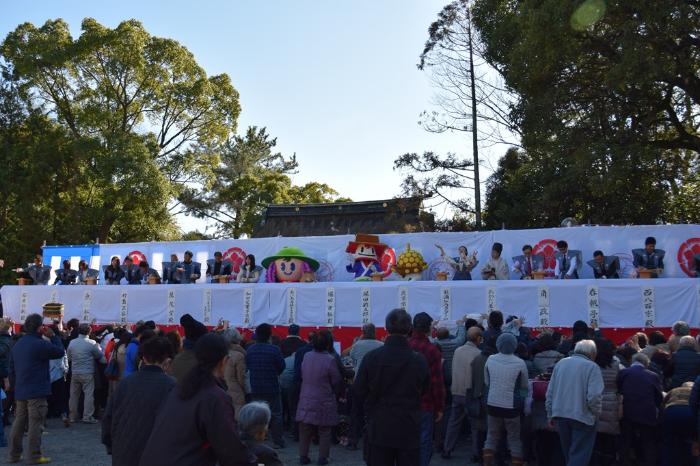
x,y
330,307
403,297
445,304
123,307
87,299
648,306
491,299
678,241
247,306
543,306
206,306
22,306
171,306
292,306
365,306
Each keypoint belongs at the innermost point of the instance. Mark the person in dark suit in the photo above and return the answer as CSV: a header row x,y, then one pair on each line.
x,y
641,400
217,267
84,272
65,276
133,407
649,258
131,272
605,267
144,272
391,381
38,272
187,271
113,272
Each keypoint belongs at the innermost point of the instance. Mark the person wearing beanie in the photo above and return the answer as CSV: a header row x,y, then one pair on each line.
x,y
505,375
433,401
196,424
497,267
185,360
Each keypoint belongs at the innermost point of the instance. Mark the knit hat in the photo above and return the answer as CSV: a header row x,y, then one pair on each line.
x,y
506,343
193,328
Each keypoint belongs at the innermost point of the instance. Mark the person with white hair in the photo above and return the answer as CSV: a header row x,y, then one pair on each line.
x,y
574,401
685,362
234,373
679,330
641,400
252,423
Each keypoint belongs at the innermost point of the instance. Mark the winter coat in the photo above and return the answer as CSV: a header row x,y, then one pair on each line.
x,y
609,421
321,381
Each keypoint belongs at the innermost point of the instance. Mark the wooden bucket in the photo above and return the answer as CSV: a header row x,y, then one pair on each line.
x,y
224,278
153,280
646,273
441,276
538,274
24,281
91,281
377,277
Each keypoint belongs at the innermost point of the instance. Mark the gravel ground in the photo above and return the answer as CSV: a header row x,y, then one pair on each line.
x,y
80,445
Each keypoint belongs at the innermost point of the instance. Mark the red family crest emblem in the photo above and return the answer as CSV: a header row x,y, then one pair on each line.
x,y
137,257
236,256
685,255
547,248
388,261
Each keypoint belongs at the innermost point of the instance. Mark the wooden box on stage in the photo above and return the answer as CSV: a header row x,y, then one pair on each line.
x,y
538,274
91,281
223,278
53,310
441,276
153,280
647,273
24,281
377,277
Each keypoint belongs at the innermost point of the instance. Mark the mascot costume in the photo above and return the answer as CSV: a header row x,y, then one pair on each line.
x,y
367,254
289,265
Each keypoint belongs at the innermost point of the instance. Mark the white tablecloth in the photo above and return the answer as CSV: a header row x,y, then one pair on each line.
x,y
614,303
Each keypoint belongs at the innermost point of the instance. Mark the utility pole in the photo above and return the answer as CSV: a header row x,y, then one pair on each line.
x,y
475,139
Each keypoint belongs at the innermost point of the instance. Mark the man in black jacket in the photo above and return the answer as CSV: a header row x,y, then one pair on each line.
x,y
390,384
133,407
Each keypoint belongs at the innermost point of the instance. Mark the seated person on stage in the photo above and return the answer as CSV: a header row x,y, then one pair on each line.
x,y
38,272
65,276
145,272
169,270
250,273
84,272
567,262
113,272
605,267
649,258
188,271
527,263
497,267
695,271
217,267
131,272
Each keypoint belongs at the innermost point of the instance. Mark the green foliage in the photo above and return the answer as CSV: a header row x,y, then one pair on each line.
x,y
608,107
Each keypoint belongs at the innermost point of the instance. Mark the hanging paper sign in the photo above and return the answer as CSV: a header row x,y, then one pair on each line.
x,y
593,305
291,306
403,298
23,306
490,299
54,296
445,304
123,299
247,306
330,307
543,305
206,306
648,306
171,306
87,299
365,307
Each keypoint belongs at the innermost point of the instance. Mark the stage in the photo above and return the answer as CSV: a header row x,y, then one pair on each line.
x,y
614,304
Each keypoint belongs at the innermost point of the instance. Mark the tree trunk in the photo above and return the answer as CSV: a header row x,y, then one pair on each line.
x,y
475,138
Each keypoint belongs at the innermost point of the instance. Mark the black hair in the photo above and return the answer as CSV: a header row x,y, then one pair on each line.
x,y
650,240
143,264
642,340
156,350
580,327
656,338
189,253
495,319
526,247
323,341
562,244
32,323
605,351
398,322
66,262
597,253
263,332
252,261
218,254
545,342
128,258
175,340
146,335
498,247
139,330
150,324
209,350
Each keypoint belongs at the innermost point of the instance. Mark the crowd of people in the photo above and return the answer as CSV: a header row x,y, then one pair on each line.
x,y
490,390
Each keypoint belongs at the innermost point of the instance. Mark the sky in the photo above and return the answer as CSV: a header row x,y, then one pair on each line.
x,y
335,82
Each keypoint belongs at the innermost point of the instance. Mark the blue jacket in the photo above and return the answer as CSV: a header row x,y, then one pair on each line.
x,y
265,364
686,366
29,365
132,354
641,394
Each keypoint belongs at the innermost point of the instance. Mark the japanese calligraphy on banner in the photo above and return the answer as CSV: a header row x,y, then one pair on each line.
x,y
171,306
365,306
54,296
445,303
543,305
490,299
87,299
23,306
247,306
123,307
403,297
593,299
206,305
648,307
292,306
330,307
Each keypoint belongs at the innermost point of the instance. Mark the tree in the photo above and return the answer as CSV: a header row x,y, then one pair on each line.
x,y
250,176
603,89
470,99
137,111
